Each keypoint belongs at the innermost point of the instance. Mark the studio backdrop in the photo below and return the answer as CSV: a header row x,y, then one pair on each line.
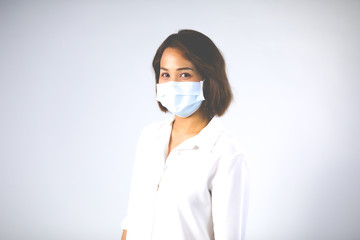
x,y
77,87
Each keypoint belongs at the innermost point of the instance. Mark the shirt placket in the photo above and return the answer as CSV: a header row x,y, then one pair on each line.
x,y
162,173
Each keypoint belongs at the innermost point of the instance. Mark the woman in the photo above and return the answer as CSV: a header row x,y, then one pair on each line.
x,y
190,179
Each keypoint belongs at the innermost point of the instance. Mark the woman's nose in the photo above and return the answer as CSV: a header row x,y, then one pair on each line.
x,y
174,78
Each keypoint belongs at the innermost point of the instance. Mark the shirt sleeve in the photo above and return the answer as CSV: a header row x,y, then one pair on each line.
x,y
135,194
127,221
230,198
124,223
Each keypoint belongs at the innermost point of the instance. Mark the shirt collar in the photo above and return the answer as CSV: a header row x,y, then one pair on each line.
x,y
205,139
164,130
208,136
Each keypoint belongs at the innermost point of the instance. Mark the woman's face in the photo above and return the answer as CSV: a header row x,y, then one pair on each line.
x,y
174,67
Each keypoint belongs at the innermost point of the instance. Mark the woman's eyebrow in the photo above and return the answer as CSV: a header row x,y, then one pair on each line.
x,y
178,69
184,68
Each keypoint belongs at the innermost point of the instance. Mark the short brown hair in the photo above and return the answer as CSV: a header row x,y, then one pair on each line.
x,y
207,59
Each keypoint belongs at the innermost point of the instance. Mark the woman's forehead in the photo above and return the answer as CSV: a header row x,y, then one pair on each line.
x,y
172,57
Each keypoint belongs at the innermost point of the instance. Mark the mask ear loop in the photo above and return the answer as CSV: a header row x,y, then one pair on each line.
x,y
205,101
203,81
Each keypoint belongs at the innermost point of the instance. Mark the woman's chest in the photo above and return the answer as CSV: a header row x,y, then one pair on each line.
x,y
186,173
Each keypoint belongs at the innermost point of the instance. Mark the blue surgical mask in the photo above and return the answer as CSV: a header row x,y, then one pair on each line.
x,y
180,98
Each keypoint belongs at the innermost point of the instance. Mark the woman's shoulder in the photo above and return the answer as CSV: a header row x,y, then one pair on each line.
x,y
228,146
228,143
155,128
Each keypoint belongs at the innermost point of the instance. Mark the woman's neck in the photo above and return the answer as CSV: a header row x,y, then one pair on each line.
x,y
191,125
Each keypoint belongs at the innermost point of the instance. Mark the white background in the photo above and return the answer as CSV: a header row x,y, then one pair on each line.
x,y
77,87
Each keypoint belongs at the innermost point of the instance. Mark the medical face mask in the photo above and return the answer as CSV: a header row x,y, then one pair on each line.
x,y
180,98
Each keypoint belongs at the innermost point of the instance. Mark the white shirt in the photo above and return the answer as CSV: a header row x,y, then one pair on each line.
x,y
198,193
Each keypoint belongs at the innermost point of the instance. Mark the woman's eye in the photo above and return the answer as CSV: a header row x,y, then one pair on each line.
x,y
185,75
166,75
